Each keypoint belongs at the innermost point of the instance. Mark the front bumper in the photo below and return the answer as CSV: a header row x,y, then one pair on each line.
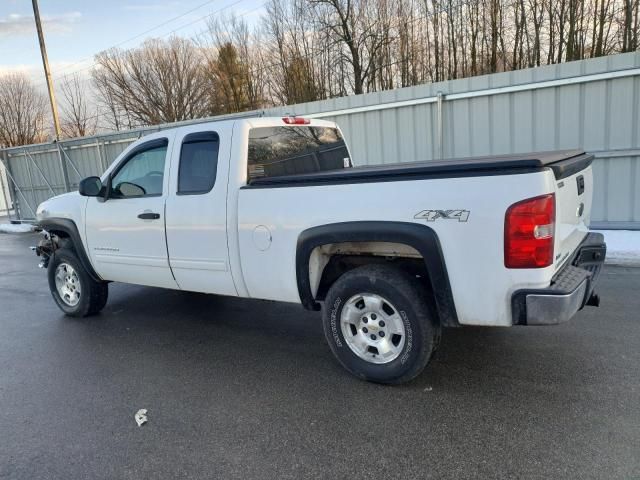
x,y
571,288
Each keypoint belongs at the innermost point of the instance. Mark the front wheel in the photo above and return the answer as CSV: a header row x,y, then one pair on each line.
x,y
72,288
378,324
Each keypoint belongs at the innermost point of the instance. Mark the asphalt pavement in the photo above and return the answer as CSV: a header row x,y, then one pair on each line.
x,y
244,389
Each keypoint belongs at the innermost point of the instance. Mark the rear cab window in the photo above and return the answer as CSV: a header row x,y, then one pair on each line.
x,y
291,150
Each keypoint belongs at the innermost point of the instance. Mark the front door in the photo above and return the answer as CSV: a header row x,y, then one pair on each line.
x,y
126,233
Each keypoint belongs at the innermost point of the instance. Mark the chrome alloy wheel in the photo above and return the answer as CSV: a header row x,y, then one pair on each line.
x,y
68,284
373,328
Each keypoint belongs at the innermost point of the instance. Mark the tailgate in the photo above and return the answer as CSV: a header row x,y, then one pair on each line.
x,y
574,192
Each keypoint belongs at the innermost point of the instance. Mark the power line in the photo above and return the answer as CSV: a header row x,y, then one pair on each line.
x,y
443,9
205,31
233,4
106,114
145,32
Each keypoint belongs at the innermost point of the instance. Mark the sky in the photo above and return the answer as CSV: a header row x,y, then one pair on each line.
x,y
75,30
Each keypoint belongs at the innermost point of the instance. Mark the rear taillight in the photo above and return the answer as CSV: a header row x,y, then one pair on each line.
x,y
529,227
296,121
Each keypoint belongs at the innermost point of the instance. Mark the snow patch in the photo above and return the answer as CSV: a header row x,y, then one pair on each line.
x,y
16,228
623,246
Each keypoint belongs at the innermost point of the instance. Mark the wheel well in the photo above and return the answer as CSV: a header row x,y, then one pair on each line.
x,y
59,233
331,261
409,245
66,234
338,265
62,239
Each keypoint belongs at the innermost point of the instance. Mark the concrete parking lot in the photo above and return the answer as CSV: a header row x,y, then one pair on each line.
x,y
248,389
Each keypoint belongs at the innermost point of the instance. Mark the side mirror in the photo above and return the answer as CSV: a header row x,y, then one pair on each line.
x,y
90,187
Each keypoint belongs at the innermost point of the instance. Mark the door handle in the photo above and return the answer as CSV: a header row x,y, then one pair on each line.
x,y
149,216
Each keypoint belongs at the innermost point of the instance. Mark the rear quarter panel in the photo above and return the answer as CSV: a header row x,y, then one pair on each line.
x,y
473,250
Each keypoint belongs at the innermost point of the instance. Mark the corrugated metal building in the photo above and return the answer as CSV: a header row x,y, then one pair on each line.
x,y
591,104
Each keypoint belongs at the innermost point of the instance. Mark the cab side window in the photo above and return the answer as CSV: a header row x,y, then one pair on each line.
x,y
198,163
142,174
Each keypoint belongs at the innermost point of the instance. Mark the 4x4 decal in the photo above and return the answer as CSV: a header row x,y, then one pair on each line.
x,y
432,215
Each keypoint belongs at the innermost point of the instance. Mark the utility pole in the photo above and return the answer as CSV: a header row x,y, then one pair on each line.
x,y
47,72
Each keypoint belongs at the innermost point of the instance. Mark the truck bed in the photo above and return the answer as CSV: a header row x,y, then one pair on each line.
x,y
563,163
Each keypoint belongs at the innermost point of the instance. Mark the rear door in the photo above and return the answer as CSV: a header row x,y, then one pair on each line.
x,y
125,233
196,210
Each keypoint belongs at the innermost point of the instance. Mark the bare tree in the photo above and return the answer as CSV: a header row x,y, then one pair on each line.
x,y
231,67
112,116
356,25
295,52
630,25
79,119
161,81
23,111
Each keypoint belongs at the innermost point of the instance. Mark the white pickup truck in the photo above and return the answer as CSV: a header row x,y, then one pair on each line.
x,y
272,208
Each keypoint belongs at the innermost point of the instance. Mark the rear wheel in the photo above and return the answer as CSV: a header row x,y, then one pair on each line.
x,y
72,288
378,324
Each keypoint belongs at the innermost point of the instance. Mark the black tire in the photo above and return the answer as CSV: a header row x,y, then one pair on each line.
x,y
93,294
406,295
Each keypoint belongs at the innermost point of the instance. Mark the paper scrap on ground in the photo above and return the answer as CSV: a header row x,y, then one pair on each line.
x,y
141,416
16,228
623,246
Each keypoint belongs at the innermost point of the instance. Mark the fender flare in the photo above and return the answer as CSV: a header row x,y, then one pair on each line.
x,y
69,227
421,237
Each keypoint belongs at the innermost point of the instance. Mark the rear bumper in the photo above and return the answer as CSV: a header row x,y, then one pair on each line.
x,y
571,288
